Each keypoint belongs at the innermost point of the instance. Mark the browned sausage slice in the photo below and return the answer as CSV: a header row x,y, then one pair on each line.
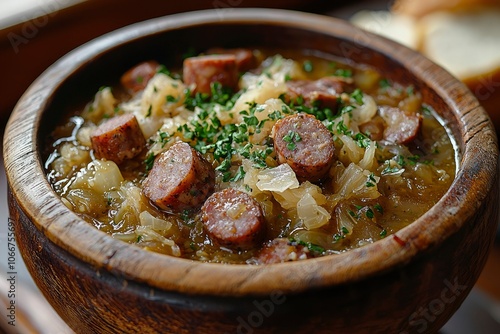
x,y
245,59
304,143
118,139
180,179
374,128
234,219
324,91
401,128
137,77
282,250
204,70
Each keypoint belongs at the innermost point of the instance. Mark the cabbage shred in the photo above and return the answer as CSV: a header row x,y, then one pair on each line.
x,y
373,189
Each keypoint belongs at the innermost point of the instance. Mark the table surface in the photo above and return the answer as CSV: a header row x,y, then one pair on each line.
x,y
480,313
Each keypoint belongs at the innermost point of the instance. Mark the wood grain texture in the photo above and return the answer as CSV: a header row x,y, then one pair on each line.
x,y
402,283
487,91
31,46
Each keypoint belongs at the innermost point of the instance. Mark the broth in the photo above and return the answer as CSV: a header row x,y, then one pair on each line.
x,y
392,159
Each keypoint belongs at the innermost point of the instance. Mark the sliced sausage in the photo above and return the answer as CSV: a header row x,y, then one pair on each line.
x,y
118,139
137,77
304,143
374,128
180,179
205,70
233,218
282,250
245,59
324,91
401,128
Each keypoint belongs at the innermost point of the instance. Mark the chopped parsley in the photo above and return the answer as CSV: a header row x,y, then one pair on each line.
x,y
299,105
371,177
357,95
343,129
258,157
164,137
312,247
186,218
390,170
150,159
353,214
162,69
308,66
291,138
172,99
368,211
409,160
251,120
184,215
426,110
240,174
384,83
362,140
342,72
401,160
413,159
347,110
206,133
275,115
410,90
224,165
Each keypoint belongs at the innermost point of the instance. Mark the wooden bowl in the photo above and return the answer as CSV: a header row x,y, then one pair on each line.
x,y
412,281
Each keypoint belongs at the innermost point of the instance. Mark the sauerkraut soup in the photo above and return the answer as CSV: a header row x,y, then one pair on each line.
x,y
252,156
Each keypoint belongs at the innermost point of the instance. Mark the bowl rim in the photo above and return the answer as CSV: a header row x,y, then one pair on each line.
x,y
30,189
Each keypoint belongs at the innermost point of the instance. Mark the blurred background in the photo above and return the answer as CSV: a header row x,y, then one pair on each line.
x,y
461,35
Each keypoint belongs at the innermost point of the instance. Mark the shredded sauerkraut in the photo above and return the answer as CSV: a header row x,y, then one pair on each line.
x,y
372,189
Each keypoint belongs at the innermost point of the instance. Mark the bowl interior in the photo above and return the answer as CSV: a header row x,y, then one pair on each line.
x,y
169,47
73,81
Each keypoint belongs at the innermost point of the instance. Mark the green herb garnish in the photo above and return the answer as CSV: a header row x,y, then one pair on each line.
x,y
291,138
384,83
341,72
379,208
308,66
150,159
357,95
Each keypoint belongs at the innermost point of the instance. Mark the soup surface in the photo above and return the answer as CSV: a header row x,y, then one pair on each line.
x,y
252,156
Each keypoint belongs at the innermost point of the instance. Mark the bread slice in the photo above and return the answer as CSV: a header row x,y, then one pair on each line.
x,y
421,8
465,41
467,44
400,28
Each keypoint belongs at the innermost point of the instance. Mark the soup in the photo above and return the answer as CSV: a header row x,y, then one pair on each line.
x,y
252,156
